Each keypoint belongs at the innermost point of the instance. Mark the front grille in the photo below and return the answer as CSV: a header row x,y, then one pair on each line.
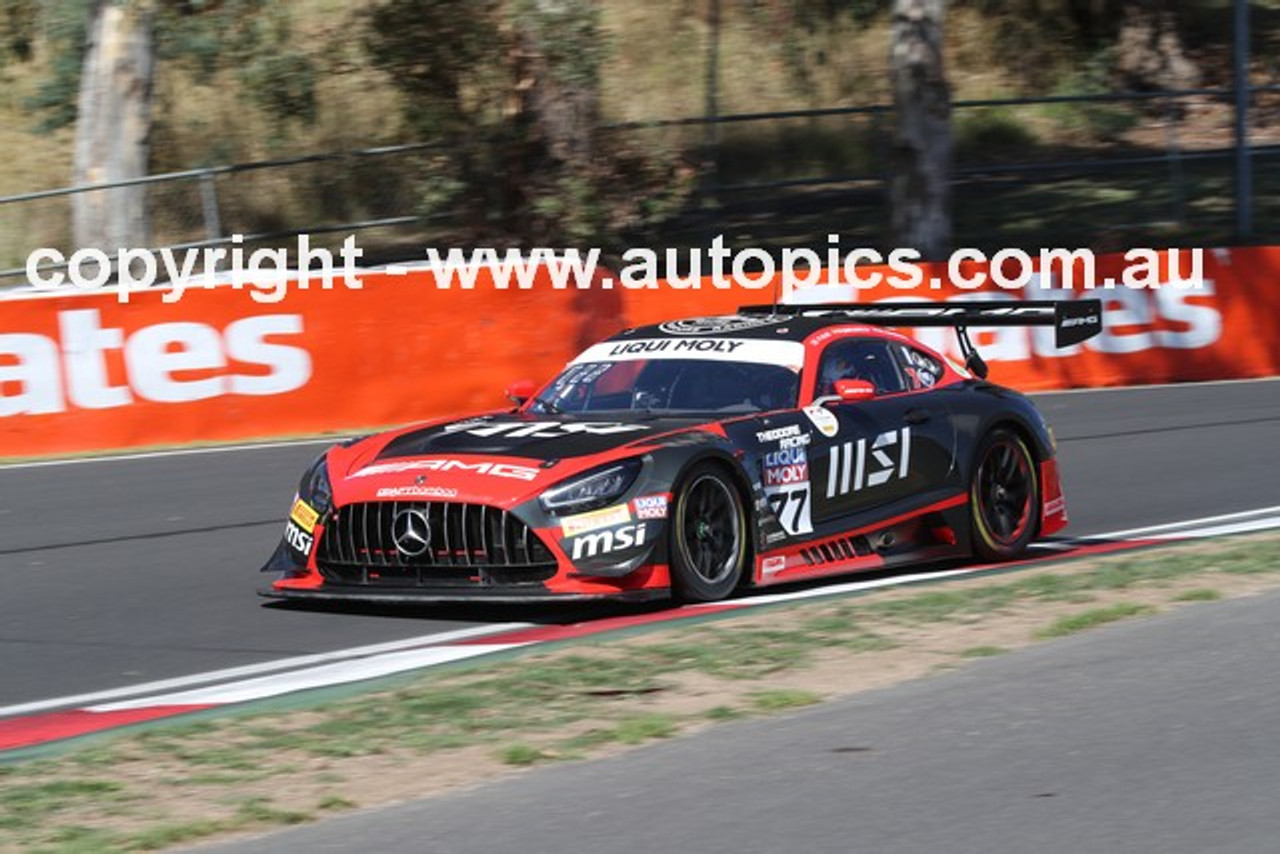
x,y
469,544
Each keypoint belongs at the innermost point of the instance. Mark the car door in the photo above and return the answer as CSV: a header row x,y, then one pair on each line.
x,y
885,451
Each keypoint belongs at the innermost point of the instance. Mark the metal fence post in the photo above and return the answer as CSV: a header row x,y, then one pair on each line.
x,y
209,202
1240,81
1173,153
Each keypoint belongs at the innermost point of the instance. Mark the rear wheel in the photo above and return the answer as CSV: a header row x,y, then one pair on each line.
x,y
708,542
1004,496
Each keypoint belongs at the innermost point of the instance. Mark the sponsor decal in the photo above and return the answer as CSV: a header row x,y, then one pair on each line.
x,y
786,437
715,325
789,354
822,418
1056,506
545,429
785,477
304,515
775,537
667,345
445,465
572,526
297,538
777,434
785,466
857,465
411,532
416,492
771,565
651,507
605,542
1087,320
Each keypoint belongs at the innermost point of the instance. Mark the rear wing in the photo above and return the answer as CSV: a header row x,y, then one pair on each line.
x,y
1073,321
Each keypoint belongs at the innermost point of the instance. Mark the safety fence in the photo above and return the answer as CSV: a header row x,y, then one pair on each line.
x,y
1168,164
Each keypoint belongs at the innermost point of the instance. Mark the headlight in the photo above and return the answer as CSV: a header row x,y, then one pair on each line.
x,y
592,490
315,488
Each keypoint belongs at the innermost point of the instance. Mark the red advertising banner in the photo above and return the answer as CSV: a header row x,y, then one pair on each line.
x,y
81,371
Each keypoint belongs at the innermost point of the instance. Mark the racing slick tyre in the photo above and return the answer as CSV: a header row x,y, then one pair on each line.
x,y
1004,496
708,542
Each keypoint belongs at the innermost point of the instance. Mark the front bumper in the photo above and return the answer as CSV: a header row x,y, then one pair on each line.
x,y
425,596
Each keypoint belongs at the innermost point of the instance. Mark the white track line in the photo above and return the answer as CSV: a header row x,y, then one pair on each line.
x,y
232,673
1169,526
1264,524
366,662
324,676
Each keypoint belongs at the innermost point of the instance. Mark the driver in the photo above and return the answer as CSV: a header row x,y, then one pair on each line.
x,y
838,366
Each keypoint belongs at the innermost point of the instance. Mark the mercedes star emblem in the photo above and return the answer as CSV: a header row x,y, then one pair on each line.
x,y
411,532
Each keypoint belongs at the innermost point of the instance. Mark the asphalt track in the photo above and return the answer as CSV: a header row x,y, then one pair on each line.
x,y
1155,736
120,572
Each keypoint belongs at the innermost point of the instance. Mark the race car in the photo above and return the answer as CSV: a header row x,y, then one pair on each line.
x,y
694,458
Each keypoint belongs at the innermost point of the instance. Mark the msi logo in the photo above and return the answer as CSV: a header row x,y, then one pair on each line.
x,y
858,465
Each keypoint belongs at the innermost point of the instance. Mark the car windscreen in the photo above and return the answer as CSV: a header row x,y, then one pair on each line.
x,y
670,386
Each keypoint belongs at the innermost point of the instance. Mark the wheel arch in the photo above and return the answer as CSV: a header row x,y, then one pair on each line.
x,y
727,463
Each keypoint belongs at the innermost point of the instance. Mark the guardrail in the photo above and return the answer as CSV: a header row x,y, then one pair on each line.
x,y
307,195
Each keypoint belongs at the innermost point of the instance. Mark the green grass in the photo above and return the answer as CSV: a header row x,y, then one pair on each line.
x,y
779,700
983,651
607,693
1092,618
1200,594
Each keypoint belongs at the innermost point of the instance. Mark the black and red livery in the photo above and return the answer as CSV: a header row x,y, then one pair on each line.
x,y
694,458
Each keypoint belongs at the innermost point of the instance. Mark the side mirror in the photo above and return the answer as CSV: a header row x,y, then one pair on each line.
x,y
520,391
851,391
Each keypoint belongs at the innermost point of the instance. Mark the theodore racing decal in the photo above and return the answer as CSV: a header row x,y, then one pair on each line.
x,y
650,507
483,467
785,477
853,468
304,515
616,515
605,542
822,418
787,437
298,538
417,492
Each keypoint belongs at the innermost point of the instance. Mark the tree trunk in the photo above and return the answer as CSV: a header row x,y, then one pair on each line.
x,y
565,106
113,128
919,190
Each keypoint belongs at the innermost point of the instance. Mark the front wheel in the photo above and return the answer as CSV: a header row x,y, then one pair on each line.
x,y
1004,496
708,536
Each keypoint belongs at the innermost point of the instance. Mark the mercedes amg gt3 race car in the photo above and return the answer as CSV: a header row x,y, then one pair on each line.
x,y
693,458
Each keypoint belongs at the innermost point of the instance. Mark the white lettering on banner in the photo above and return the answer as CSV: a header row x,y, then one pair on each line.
x,y
154,358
